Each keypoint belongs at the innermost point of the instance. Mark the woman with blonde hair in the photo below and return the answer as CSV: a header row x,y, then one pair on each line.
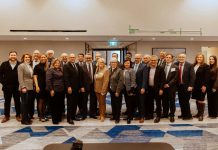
x,y
200,86
101,78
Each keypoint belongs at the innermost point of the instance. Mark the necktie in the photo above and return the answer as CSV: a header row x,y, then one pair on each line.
x,y
180,73
136,67
166,70
74,66
89,70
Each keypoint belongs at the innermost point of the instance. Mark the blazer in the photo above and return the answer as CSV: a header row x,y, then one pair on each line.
x,y
129,79
141,76
25,77
101,78
73,76
188,75
54,80
202,79
116,80
215,85
159,79
9,76
87,79
172,77
202,76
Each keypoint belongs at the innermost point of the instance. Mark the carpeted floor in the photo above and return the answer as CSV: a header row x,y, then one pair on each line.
x,y
187,135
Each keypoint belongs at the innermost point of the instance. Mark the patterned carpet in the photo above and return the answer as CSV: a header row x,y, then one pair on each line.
x,y
182,135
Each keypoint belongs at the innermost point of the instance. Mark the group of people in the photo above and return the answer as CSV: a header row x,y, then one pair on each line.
x,y
148,85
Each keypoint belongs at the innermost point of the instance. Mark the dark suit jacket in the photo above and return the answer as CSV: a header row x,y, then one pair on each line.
x,y
202,76
116,80
88,80
159,78
141,76
163,63
73,77
188,76
9,77
172,77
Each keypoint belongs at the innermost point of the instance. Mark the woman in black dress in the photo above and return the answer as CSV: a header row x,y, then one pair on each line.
x,y
212,93
55,84
201,83
40,84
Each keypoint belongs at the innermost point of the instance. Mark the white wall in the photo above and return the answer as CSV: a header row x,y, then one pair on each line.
x,y
108,17
192,48
29,46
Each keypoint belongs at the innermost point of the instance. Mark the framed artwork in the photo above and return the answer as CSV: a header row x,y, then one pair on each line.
x,y
174,51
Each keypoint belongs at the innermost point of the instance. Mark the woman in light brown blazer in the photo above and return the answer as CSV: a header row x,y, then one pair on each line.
x,y
25,78
101,86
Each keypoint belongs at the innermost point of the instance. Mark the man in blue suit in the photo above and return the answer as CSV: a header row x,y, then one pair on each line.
x,y
141,80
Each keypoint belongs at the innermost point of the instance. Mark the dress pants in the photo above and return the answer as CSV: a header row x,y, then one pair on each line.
x,y
129,104
152,96
102,104
8,93
141,104
56,110
93,102
169,102
212,99
26,100
72,103
184,97
116,104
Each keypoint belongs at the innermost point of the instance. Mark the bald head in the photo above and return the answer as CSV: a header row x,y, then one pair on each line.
x,y
72,58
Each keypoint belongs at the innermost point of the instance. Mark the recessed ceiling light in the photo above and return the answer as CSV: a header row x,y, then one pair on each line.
x,y
191,38
25,38
67,38
153,38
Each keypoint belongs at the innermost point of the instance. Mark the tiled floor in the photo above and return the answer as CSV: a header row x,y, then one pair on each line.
x,y
185,135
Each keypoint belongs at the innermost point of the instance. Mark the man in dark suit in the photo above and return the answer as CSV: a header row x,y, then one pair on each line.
x,y
97,56
88,79
141,80
161,60
74,84
170,84
9,81
186,80
156,78
80,62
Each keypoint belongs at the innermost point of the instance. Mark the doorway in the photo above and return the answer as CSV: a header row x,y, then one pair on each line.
x,y
107,54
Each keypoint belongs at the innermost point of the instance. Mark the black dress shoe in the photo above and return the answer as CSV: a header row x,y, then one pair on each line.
x,y
180,117
26,122
128,121
117,121
187,118
77,119
83,118
172,119
157,119
70,122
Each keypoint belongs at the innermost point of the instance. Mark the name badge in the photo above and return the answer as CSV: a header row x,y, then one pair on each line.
x,y
173,69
